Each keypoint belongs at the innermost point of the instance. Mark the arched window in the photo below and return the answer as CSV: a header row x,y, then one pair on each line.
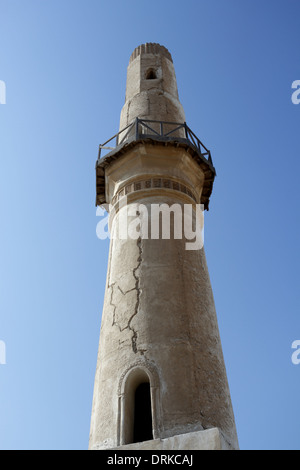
x,y
138,406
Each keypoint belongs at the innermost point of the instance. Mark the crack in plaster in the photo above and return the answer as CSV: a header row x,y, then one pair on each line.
x,y
136,308
137,287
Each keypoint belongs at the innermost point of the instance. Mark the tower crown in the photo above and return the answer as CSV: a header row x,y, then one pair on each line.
x,y
152,112
151,89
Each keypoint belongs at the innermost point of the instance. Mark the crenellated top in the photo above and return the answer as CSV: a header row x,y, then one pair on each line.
x,y
150,48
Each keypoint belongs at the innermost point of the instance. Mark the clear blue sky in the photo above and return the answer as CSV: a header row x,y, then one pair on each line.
x,y
64,64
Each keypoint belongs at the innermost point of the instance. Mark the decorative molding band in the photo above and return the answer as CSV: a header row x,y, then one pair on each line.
x,y
152,183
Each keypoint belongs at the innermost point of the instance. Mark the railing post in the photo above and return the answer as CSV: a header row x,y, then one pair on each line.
x,y
161,128
136,128
186,131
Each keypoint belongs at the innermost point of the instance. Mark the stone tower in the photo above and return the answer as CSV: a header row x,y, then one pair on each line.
x,y
160,379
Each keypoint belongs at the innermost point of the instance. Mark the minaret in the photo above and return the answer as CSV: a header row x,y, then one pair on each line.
x,y
160,379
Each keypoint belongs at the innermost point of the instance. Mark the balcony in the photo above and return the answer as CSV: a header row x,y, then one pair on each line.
x,y
158,133
141,129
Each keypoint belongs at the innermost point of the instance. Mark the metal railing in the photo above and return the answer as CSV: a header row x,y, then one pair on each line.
x,y
160,130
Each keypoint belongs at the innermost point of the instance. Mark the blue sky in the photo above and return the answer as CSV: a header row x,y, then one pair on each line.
x,y
64,65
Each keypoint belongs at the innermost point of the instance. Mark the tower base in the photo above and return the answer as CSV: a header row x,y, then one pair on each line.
x,y
210,439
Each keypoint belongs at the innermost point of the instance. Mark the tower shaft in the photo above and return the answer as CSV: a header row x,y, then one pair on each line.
x,y
159,342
